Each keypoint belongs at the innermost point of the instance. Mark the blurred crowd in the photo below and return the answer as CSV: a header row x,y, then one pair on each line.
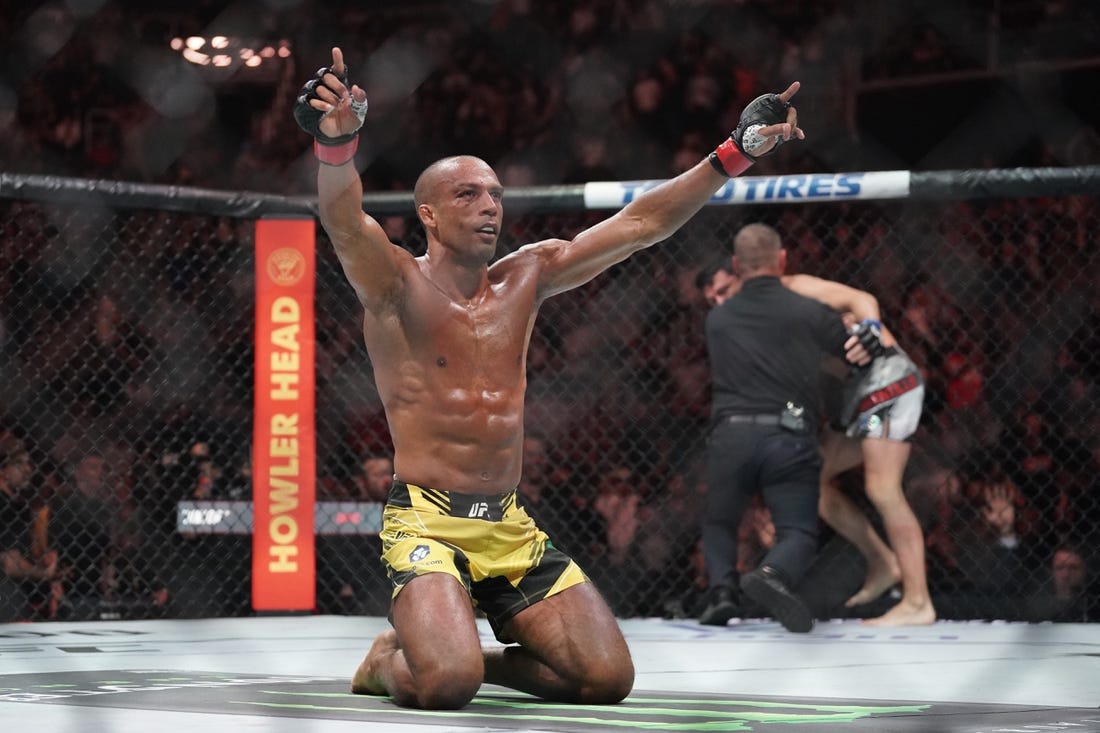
x,y
546,92
126,337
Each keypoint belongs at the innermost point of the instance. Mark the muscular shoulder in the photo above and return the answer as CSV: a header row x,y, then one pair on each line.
x,y
535,252
530,258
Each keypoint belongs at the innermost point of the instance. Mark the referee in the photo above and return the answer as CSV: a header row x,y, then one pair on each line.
x,y
765,347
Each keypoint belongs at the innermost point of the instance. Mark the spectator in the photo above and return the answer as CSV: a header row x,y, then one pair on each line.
x,y
350,577
1028,450
98,530
996,560
617,503
83,516
572,525
1068,593
668,532
943,512
375,477
31,568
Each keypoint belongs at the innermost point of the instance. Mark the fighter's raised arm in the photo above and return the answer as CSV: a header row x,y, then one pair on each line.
x,y
332,110
856,305
766,123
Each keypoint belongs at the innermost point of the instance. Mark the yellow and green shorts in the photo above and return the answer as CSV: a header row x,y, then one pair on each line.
x,y
486,541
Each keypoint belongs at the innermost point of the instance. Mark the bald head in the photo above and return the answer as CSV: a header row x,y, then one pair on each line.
x,y
443,170
758,250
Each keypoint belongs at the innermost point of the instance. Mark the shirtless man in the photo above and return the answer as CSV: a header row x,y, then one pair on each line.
x,y
882,410
447,335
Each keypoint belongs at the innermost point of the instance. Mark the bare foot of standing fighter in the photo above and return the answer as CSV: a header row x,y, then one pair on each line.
x,y
906,613
883,573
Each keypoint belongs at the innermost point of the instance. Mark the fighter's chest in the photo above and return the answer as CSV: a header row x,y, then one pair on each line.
x,y
477,327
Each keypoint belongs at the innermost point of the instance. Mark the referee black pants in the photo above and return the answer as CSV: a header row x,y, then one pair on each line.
x,y
784,468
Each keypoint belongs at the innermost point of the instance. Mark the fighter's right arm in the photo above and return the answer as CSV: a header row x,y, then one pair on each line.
x,y
370,261
837,296
857,305
332,110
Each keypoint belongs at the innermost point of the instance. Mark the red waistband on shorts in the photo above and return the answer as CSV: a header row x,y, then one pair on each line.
x,y
889,392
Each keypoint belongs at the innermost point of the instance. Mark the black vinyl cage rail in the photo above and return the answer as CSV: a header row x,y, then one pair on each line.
x,y
911,185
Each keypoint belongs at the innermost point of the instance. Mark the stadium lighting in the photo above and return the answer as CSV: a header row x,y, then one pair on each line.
x,y
233,52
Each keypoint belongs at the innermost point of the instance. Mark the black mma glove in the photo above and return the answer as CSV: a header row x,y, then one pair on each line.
x,y
739,151
869,333
330,150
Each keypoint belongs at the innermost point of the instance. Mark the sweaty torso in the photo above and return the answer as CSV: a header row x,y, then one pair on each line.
x,y
452,375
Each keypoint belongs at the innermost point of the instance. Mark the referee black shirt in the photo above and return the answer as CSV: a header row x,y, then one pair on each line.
x,y
765,347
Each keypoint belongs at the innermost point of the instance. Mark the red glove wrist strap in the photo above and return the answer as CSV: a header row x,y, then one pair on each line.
x,y
336,154
731,160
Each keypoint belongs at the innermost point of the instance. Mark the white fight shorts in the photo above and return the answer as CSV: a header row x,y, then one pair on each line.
x,y
884,400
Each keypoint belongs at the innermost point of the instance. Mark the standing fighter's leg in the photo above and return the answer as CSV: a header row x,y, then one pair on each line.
x,y
570,648
883,572
884,466
432,657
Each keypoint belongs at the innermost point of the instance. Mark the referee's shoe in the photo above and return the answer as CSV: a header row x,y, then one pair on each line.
x,y
721,607
767,586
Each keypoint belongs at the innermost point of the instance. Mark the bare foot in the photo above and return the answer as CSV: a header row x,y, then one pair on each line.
x,y
906,614
367,680
881,577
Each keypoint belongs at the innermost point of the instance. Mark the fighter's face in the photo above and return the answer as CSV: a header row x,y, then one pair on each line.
x,y
470,209
723,287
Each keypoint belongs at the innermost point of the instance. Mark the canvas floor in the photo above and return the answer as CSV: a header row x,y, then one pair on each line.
x,y
290,673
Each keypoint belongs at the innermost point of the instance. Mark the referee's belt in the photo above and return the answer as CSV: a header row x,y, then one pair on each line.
x,y
798,425
766,419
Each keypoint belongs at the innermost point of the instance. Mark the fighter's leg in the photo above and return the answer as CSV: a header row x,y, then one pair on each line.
x,y
883,572
570,649
884,466
432,657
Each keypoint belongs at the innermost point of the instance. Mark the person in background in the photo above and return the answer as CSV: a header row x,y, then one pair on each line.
x,y
375,476
881,410
571,524
996,558
83,515
1069,593
350,578
97,529
765,346
31,567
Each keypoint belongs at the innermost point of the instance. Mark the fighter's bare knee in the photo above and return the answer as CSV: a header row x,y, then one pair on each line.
x,y
604,670
445,684
608,682
451,693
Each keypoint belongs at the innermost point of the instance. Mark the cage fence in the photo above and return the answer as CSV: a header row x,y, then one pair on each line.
x,y
127,325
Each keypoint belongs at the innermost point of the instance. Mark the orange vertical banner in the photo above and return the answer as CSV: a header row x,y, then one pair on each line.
x,y
284,439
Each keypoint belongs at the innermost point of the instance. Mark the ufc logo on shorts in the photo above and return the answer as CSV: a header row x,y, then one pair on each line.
x,y
479,510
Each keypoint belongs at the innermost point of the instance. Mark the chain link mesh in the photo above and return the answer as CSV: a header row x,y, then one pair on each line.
x,y
126,344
